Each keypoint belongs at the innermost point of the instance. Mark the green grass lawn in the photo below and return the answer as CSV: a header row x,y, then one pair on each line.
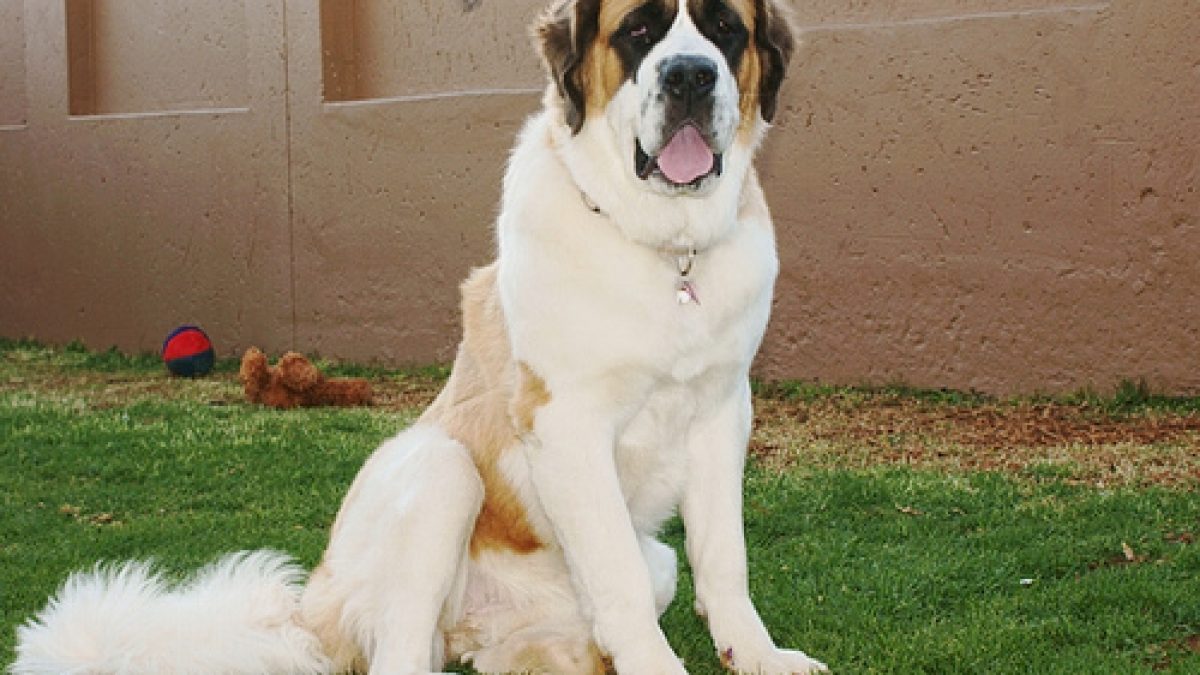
x,y
875,567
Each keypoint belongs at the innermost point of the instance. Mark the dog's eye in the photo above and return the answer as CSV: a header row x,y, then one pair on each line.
x,y
727,24
640,32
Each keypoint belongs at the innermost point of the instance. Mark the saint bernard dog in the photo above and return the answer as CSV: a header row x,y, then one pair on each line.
x,y
600,386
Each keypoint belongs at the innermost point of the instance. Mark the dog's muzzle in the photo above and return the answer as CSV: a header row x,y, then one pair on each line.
x,y
687,83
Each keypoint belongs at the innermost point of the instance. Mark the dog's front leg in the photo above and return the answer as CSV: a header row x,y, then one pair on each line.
x,y
716,545
575,476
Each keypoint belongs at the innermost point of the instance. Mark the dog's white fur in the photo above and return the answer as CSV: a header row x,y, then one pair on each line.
x,y
128,619
619,405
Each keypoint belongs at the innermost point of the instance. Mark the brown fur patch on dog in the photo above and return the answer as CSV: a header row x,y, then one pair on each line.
x,y
531,394
474,409
749,72
773,43
604,70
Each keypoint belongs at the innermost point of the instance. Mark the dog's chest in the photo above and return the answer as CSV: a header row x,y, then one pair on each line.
x,y
710,311
651,454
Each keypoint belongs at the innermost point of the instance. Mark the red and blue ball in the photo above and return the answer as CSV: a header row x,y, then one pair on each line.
x,y
188,352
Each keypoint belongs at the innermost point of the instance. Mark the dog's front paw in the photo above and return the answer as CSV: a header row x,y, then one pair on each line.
x,y
774,662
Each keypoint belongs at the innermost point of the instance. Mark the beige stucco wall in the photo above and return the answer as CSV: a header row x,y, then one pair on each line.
x,y
988,194
12,64
998,195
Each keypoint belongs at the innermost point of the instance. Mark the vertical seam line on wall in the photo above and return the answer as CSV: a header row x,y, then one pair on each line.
x,y
291,197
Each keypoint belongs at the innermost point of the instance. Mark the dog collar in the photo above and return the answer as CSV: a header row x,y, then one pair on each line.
x,y
592,206
685,259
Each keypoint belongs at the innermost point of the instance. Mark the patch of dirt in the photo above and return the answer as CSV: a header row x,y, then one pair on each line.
x,y
1074,442
103,519
102,391
1077,443
1126,557
1183,538
405,393
1164,655
845,428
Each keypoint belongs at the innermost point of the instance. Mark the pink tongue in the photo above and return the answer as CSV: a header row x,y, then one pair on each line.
x,y
686,158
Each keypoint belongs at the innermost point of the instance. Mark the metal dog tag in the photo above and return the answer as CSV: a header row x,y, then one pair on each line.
x,y
686,293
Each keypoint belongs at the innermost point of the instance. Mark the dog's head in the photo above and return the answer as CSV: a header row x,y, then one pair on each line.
x,y
679,82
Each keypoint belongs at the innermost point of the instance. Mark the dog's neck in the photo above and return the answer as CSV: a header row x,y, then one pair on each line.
x,y
683,256
674,224
687,250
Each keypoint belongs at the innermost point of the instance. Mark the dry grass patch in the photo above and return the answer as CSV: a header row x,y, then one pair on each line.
x,y
1085,441
1077,442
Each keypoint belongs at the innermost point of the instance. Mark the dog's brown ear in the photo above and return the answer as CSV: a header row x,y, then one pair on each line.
x,y
774,42
563,34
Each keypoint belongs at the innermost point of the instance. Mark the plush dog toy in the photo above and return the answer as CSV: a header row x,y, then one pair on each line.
x,y
296,382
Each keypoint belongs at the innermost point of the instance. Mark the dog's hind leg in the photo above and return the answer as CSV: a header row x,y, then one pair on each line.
x,y
394,573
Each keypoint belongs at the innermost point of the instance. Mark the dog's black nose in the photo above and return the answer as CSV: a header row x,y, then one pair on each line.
x,y
689,77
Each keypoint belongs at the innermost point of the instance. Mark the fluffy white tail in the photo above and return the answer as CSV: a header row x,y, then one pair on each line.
x,y
238,615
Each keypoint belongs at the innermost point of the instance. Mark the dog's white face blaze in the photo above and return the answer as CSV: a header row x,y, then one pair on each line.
x,y
685,39
660,107
638,115
666,163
